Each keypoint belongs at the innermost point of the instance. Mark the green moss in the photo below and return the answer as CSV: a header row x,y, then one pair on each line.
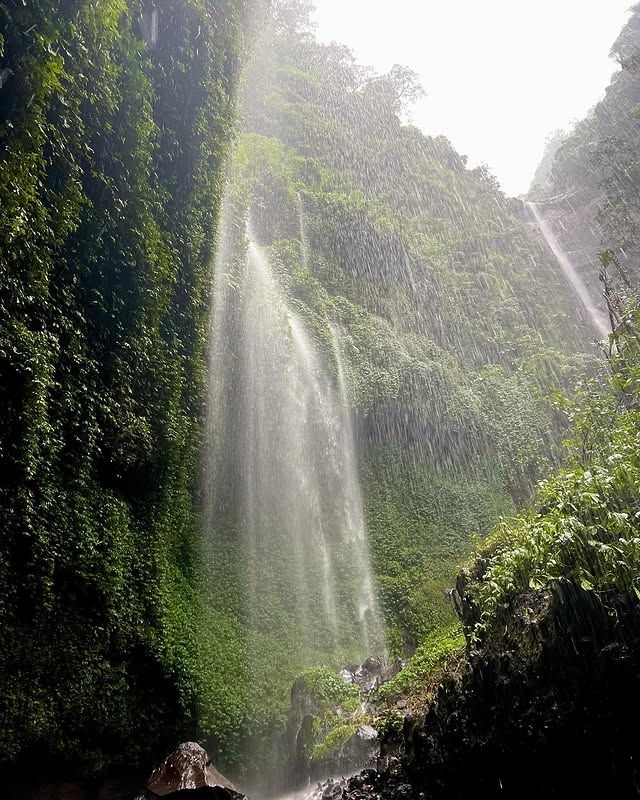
x,y
424,668
328,689
585,525
336,737
110,179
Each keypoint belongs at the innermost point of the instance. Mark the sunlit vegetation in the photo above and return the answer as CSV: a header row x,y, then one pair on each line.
x,y
550,605
110,180
418,679
454,323
584,527
589,189
494,437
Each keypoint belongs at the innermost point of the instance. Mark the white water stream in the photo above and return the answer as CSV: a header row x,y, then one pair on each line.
x,y
283,475
597,315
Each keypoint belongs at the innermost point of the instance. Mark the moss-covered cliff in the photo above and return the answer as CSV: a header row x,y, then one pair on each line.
x,y
454,321
115,118
544,703
589,188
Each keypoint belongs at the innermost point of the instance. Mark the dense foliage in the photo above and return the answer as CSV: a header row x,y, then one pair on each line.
x,y
111,146
550,602
550,607
585,528
453,321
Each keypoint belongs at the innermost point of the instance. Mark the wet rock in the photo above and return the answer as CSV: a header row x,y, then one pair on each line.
x,y
331,789
367,733
373,672
186,773
189,769
302,735
370,784
385,784
348,674
546,704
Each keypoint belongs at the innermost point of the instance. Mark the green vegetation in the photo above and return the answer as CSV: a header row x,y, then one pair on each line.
x,y
420,674
550,600
456,337
340,709
454,325
420,532
110,181
337,717
550,605
586,526
591,184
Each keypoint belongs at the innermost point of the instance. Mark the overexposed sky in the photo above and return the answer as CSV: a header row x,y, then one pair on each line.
x,y
500,75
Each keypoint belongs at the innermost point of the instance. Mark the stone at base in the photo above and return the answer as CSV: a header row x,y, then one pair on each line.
x,y
188,772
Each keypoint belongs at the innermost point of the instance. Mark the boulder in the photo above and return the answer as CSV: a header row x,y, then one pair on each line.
x,y
188,769
373,672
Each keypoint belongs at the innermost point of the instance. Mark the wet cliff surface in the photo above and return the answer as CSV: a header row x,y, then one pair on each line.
x,y
545,705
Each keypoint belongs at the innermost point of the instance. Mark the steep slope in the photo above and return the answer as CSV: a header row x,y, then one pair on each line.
x,y
454,320
545,702
590,193
114,123
451,318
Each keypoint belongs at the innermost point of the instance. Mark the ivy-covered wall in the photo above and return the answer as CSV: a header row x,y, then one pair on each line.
x,y
112,143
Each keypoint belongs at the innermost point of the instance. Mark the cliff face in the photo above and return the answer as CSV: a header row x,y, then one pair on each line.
x,y
114,123
453,317
545,707
589,192
545,702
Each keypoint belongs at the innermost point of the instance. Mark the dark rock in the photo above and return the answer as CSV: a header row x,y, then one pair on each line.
x,y
331,791
546,705
403,791
298,735
188,771
373,672
385,784
54,790
41,788
367,733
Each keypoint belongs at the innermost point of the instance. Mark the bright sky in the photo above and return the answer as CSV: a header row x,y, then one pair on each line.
x,y
500,75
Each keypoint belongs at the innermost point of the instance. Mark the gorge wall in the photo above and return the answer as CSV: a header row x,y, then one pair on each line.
x,y
424,298
112,145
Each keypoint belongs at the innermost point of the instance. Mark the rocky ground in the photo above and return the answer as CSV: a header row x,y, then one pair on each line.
x,y
546,704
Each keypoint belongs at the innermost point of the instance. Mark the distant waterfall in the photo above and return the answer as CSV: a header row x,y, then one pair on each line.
x,y
282,479
597,316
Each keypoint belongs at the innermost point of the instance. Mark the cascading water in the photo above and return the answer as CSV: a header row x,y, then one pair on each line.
x,y
596,315
282,485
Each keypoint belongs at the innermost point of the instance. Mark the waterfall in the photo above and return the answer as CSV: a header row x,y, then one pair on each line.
x,y
596,315
282,480
354,515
